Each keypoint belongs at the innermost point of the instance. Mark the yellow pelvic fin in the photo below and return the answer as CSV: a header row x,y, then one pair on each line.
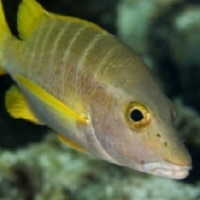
x,y
4,33
51,101
17,106
29,16
71,144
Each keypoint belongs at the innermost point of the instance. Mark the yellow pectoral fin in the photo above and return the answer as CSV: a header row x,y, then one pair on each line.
x,y
71,144
51,101
17,106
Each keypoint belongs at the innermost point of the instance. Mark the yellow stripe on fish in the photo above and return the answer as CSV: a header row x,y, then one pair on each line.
x,y
91,89
50,100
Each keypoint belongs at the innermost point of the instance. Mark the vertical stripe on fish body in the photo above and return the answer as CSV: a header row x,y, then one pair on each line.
x,y
56,54
73,54
85,84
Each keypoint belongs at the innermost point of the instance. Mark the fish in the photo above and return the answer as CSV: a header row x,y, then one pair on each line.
x,y
91,89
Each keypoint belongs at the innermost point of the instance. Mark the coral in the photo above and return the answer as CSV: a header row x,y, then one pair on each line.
x,y
188,123
134,19
49,170
166,32
188,126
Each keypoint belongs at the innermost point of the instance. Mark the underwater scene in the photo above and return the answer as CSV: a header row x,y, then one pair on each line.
x,y
99,100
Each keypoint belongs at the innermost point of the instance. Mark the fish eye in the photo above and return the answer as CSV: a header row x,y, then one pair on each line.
x,y
137,115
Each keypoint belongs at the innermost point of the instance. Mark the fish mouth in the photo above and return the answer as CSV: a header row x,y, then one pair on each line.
x,y
166,169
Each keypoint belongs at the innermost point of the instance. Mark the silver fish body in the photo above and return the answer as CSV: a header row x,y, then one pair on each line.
x,y
85,84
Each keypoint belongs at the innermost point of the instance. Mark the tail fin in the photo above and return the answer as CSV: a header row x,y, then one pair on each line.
x,y
4,33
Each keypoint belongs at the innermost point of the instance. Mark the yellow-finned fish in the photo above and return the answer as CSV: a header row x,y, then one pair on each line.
x,y
93,90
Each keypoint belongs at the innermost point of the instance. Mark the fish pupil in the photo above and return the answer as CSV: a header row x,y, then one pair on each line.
x,y
136,115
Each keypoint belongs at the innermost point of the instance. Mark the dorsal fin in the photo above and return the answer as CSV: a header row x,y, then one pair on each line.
x,y
29,16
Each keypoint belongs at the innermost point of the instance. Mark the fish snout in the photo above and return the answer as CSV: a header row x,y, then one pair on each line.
x,y
165,169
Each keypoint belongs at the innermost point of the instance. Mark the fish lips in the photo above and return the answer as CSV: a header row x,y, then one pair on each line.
x,y
166,169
